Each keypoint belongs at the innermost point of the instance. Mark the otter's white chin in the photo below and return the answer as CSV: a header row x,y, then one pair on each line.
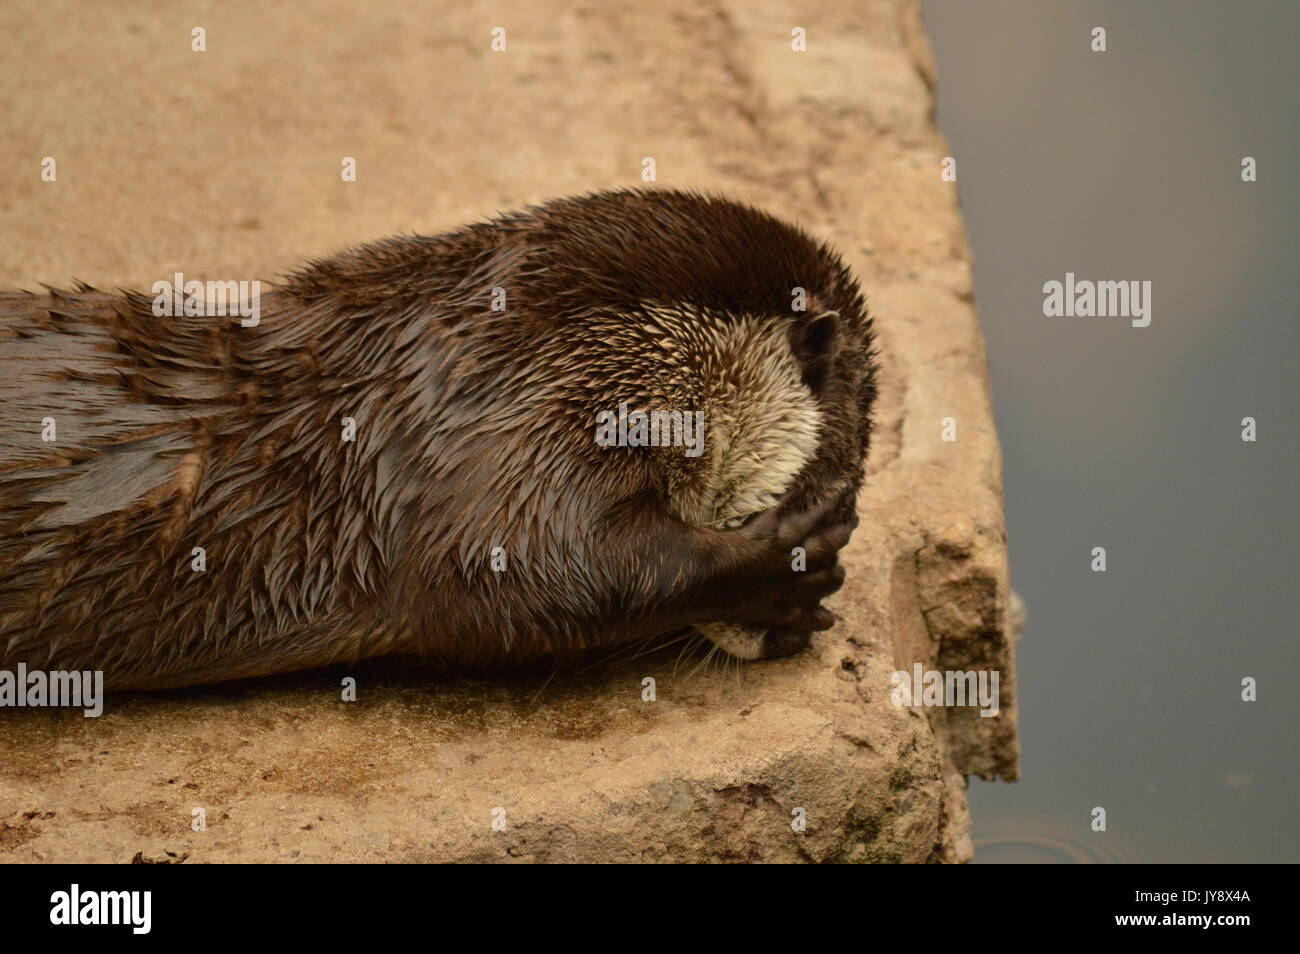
x,y
743,642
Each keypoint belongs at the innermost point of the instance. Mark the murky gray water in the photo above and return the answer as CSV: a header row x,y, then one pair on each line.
x,y
1126,165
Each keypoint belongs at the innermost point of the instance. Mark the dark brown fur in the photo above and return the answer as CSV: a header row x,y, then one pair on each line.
x,y
474,430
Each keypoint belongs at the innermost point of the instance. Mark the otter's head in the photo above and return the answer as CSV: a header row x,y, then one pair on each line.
x,y
710,308
769,410
780,414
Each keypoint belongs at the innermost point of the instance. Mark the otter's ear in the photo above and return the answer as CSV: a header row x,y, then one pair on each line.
x,y
815,342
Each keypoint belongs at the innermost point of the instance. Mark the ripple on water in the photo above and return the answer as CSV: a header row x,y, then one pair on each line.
x,y
1048,842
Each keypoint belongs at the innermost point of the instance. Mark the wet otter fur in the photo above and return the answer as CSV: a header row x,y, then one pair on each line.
x,y
474,431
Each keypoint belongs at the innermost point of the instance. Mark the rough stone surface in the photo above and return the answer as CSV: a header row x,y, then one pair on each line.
x,y
225,164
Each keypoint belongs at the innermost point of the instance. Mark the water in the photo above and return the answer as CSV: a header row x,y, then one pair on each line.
x,y
1125,165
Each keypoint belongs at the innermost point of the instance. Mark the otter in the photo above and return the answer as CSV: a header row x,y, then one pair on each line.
x,y
202,512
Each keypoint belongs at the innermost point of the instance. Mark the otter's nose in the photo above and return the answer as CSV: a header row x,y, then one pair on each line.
x,y
783,642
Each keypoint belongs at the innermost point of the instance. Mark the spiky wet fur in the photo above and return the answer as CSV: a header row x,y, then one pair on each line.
x,y
474,430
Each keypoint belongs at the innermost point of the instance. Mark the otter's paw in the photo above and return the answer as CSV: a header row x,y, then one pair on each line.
x,y
786,591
